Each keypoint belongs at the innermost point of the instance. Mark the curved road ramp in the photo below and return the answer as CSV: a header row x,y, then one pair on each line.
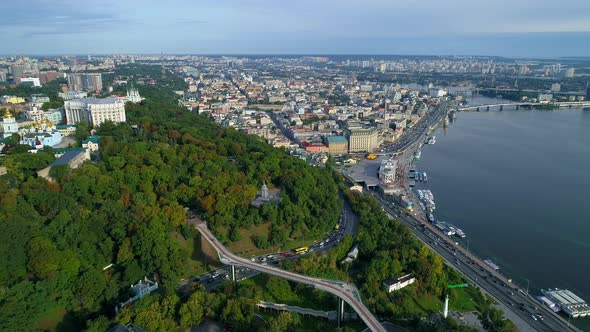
x,y
345,291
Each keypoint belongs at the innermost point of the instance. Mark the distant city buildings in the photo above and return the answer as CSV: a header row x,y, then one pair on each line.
x,y
85,81
94,110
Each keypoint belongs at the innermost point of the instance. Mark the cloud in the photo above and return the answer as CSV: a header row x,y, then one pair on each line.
x,y
354,26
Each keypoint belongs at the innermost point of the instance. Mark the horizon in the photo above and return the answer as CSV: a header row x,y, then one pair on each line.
x,y
522,29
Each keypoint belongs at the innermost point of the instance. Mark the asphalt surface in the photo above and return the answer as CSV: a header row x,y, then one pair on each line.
x,y
348,225
519,306
345,291
416,132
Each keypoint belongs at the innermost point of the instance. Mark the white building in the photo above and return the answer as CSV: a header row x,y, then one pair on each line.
x,y
133,95
30,81
9,125
399,283
387,171
35,114
545,98
73,94
94,110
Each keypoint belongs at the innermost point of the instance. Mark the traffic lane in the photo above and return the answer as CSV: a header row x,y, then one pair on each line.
x,y
484,280
479,280
331,241
467,268
341,291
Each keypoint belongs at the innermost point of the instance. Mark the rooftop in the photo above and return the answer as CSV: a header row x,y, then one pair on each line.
x,y
93,139
337,139
67,157
92,100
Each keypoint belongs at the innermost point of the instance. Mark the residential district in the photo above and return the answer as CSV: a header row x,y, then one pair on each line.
x,y
355,114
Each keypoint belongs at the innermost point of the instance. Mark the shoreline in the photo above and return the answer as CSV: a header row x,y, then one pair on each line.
x,y
420,214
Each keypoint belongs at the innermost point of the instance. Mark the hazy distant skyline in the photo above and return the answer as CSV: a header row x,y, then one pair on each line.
x,y
508,28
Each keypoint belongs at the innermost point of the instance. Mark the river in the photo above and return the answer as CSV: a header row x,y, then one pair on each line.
x,y
517,182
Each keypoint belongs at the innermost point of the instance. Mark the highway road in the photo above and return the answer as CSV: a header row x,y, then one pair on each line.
x,y
514,299
348,225
416,132
345,291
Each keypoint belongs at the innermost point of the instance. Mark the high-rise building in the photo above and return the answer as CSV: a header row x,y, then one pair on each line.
x,y
95,110
555,87
570,73
87,81
47,76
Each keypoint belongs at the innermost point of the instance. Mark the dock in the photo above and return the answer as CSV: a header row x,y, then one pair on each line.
x,y
571,304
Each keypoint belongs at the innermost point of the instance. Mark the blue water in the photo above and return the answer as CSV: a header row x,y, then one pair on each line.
x,y
518,183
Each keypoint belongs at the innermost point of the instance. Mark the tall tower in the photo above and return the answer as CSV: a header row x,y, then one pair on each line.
x,y
163,72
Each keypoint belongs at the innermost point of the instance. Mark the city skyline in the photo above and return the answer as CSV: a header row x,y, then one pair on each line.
x,y
514,29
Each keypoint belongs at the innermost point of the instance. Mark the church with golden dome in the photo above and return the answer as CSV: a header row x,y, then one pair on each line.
x,y
9,125
42,133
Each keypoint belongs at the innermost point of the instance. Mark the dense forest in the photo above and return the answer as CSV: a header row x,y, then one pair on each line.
x,y
121,209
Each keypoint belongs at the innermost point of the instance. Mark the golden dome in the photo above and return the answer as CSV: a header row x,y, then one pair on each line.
x,y
7,114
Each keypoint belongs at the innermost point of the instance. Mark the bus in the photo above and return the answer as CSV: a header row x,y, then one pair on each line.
x,y
301,250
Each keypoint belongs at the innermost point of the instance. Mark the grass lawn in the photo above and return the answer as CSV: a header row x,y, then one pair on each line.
x,y
245,247
464,299
197,262
461,300
279,290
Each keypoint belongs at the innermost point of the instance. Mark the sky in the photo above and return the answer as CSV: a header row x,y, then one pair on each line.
x,y
517,28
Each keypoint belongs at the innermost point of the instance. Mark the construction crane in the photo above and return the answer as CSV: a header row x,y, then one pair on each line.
x,y
446,307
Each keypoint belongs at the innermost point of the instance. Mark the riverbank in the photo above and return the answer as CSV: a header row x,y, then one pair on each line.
x,y
521,198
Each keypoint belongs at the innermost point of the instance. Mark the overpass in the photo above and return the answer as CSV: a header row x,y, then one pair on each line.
x,y
529,104
330,315
344,291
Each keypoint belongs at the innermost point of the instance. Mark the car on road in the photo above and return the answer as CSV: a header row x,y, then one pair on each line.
x,y
534,317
